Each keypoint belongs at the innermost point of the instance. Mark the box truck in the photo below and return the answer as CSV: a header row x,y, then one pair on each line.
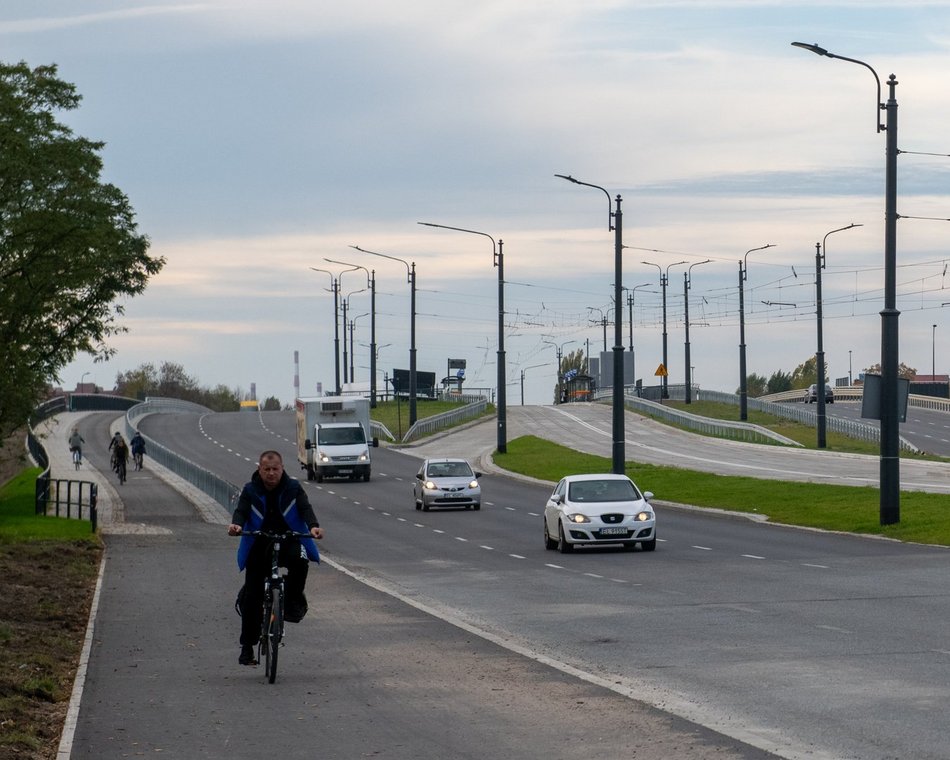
x,y
333,437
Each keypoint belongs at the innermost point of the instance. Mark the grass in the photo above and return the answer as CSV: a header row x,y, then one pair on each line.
x,y
925,517
49,567
395,415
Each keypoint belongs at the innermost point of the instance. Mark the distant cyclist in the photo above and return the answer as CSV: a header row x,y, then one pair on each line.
x,y
120,458
75,446
138,449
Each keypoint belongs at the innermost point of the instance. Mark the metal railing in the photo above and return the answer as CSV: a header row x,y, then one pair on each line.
x,y
737,431
446,419
66,496
222,491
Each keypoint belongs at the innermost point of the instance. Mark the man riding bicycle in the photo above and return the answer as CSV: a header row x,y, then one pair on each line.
x,y
137,445
274,502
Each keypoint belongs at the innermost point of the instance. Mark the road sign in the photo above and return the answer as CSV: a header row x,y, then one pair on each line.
x,y
661,371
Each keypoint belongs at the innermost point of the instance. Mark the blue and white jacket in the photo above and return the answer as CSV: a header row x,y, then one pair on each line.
x,y
294,506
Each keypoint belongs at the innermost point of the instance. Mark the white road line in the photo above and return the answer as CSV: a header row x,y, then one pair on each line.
x,y
752,556
489,548
809,564
704,548
516,556
459,538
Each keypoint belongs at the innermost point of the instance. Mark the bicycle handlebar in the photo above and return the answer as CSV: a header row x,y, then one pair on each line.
x,y
267,534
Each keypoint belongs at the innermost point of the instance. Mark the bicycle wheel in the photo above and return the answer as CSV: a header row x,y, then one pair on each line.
x,y
120,469
263,646
274,631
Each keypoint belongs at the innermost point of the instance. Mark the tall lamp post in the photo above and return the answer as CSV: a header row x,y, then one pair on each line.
x,y
933,354
821,249
371,283
411,276
335,288
353,345
631,300
743,380
615,224
347,378
558,350
533,366
664,281
890,486
602,321
687,284
499,263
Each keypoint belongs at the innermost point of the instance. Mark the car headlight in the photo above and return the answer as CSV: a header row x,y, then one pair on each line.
x,y
324,458
430,486
643,516
473,485
578,518
364,456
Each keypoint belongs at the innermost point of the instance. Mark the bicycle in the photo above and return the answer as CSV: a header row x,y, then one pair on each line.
x,y
137,459
272,626
120,469
77,457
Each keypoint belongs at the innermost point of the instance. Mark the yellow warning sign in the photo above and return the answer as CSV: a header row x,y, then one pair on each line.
x,y
661,371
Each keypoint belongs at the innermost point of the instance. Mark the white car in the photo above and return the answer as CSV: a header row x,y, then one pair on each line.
x,y
589,510
447,482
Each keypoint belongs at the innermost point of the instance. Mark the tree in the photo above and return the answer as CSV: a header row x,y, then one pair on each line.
x,y
69,245
754,385
779,381
271,404
902,370
806,373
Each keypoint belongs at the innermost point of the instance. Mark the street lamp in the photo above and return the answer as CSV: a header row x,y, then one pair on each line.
x,y
631,300
890,486
499,262
850,376
335,288
411,276
687,283
821,249
743,384
371,282
353,345
933,355
614,224
346,308
558,350
601,321
664,280
533,366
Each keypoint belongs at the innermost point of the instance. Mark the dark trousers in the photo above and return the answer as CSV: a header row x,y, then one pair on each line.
x,y
258,567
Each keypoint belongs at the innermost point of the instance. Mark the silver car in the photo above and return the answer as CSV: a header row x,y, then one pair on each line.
x,y
589,510
447,483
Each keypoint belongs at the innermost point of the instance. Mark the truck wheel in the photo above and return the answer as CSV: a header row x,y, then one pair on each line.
x,y
318,476
366,476
310,474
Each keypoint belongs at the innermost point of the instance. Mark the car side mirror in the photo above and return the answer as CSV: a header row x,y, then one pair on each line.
x,y
556,498
478,474
647,495
420,476
375,442
308,444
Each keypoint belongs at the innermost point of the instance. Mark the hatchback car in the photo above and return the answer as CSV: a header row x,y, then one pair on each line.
x,y
447,483
589,510
811,395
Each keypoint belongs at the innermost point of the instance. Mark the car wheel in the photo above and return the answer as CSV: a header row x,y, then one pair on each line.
x,y
562,545
425,507
549,543
477,507
649,546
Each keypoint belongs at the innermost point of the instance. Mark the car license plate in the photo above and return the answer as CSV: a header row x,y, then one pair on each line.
x,y
613,531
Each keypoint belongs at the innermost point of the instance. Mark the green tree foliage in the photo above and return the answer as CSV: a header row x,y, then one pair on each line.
x,y
574,360
755,385
172,381
69,246
902,370
271,404
779,381
806,373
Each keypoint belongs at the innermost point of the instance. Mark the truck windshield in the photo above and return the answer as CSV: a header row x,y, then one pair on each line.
x,y
340,436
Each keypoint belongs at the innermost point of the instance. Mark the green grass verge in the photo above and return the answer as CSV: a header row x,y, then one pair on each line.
x,y
19,521
395,416
925,517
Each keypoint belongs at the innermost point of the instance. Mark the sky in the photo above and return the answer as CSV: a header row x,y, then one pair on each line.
x,y
257,138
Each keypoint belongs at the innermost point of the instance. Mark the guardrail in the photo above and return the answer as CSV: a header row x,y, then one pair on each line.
x,y
804,414
737,431
222,491
446,419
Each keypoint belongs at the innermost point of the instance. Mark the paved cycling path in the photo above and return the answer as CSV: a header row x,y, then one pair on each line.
x,y
364,675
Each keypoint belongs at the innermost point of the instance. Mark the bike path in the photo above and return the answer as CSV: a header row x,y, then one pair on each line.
x,y
364,675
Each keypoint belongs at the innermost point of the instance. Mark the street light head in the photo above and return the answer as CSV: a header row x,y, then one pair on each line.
x,y
813,48
568,177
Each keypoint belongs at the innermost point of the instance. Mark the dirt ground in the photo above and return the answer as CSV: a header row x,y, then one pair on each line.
x,y
45,595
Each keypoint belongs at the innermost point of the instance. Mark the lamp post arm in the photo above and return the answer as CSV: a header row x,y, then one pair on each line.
x,y
610,213
387,256
471,232
818,50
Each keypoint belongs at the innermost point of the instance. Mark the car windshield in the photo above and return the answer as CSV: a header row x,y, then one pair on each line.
x,y
602,490
450,470
340,436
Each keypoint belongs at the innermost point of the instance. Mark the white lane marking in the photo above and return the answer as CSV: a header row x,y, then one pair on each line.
x,y
516,556
704,548
459,538
809,564
752,556
490,548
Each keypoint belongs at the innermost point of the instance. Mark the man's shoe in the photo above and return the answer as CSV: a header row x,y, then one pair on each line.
x,y
247,656
295,609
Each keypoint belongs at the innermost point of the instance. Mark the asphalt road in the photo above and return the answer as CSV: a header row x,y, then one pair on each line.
x,y
927,429
366,674
801,643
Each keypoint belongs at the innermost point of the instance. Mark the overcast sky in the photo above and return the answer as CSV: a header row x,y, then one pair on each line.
x,y
255,138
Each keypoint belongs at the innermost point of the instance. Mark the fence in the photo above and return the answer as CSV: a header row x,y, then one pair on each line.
x,y
446,419
66,496
222,491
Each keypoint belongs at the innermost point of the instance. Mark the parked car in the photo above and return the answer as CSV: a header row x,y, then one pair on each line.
x,y
811,395
589,510
447,483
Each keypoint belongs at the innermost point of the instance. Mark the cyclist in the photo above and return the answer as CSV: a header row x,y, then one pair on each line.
x,y
138,449
117,436
75,445
272,501
120,456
